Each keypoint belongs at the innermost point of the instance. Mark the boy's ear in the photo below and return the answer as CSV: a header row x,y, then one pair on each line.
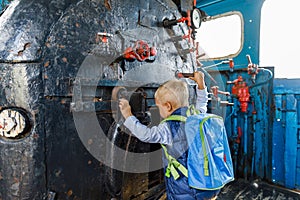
x,y
169,106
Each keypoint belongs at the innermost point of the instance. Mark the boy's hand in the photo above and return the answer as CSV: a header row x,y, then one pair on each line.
x,y
125,108
199,79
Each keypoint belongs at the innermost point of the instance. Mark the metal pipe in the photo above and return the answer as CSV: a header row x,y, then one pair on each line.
x,y
245,148
113,177
235,136
217,64
211,3
263,82
253,143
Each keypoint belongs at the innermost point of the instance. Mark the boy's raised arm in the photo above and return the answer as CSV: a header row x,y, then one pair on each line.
x,y
202,94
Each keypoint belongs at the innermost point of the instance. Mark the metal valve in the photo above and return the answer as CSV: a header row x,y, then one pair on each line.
x,y
141,52
241,91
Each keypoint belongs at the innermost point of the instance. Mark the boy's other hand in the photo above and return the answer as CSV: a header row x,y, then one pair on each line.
x,y
125,108
199,79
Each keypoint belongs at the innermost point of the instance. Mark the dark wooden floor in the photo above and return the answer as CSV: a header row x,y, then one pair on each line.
x,y
256,190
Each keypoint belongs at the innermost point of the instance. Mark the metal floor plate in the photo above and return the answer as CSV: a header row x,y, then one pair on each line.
x,y
256,190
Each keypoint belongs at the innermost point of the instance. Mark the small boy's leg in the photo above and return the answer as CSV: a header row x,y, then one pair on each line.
x,y
207,195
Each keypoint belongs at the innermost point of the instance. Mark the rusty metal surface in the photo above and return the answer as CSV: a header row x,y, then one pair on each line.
x,y
22,159
43,44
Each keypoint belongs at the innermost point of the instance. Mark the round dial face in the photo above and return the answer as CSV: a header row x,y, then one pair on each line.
x,y
12,123
196,18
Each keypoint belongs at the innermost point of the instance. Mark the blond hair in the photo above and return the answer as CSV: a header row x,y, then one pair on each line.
x,y
173,91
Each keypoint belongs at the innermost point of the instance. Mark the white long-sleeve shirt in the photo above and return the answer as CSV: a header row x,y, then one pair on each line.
x,y
162,133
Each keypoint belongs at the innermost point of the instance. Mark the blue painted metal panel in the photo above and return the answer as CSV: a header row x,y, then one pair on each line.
x,y
298,164
290,141
286,141
298,142
278,143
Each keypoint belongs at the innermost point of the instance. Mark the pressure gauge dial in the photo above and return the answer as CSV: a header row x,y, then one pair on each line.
x,y
13,123
196,18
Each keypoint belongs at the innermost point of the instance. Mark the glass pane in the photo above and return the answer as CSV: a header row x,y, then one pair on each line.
x,y
220,36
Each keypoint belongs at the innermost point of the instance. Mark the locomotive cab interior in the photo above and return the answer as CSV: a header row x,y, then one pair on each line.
x,y
65,64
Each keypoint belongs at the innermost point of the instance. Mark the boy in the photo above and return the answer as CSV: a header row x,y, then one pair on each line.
x,y
171,98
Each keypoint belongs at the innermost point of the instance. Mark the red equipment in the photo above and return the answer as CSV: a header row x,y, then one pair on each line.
x,y
141,51
241,91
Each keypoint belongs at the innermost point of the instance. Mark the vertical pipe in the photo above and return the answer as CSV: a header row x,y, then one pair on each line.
x,y
245,146
253,142
235,136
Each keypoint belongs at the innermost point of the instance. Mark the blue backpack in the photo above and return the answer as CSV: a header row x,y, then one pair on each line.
x,y
209,163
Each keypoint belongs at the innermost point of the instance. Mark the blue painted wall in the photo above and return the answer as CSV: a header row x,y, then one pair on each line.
x,y
249,132
286,133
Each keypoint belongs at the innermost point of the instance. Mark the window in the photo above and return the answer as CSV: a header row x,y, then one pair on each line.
x,y
220,36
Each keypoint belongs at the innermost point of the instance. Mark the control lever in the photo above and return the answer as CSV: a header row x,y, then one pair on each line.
x,y
203,69
187,75
252,68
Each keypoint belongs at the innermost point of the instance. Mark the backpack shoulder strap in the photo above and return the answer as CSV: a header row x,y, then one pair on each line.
x,y
173,164
206,171
174,118
190,111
